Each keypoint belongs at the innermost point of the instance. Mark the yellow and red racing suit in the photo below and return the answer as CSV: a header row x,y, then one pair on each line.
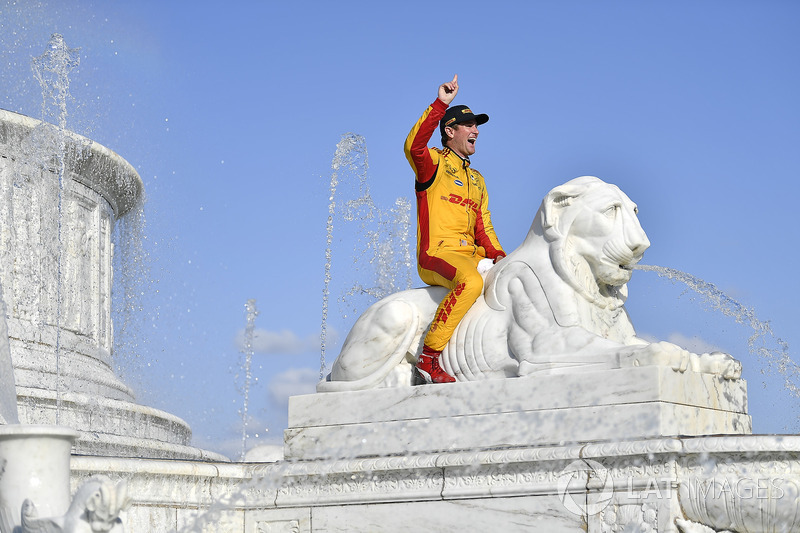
x,y
454,226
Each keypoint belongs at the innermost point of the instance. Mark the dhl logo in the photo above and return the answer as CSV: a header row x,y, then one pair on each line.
x,y
466,202
446,307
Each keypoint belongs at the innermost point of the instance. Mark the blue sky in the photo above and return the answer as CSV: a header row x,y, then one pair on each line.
x,y
231,113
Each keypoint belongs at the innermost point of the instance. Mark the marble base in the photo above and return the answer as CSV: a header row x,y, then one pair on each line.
x,y
629,485
613,404
474,457
82,367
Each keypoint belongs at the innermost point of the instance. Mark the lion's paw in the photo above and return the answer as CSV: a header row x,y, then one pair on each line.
x,y
687,526
657,353
720,364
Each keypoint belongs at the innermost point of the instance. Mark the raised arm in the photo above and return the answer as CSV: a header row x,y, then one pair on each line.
x,y
416,145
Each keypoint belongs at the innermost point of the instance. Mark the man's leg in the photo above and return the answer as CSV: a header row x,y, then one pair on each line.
x,y
465,287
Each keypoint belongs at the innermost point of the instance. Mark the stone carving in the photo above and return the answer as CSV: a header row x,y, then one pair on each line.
x,y
761,492
554,305
630,517
95,509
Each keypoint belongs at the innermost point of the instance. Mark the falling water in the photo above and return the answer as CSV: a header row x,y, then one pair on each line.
x,y
344,153
51,70
132,283
247,350
763,342
388,252
376,239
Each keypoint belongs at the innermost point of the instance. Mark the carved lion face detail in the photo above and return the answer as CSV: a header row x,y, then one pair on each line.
x,y
595,233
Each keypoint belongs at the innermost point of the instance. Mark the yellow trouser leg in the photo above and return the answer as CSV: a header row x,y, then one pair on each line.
x,y
465,287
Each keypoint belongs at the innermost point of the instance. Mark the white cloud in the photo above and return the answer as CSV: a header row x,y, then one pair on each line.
x,y
284,342
694,344
262,430
232,449
292,382
264,453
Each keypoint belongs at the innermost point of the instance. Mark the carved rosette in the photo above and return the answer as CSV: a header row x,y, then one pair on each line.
x,y
628,518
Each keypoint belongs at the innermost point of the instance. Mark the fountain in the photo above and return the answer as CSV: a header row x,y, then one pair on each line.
x,y
562,419
61,195
61,344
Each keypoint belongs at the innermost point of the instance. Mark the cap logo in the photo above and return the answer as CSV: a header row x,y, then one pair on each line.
x,y
466,110
450,121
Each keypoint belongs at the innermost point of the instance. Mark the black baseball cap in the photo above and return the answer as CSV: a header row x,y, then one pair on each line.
x,y
458,114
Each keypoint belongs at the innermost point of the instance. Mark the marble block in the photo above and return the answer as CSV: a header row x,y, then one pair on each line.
x,y
8,397
34,464
668,485
612,404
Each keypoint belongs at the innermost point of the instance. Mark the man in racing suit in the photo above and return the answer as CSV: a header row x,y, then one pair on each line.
x,y
454,227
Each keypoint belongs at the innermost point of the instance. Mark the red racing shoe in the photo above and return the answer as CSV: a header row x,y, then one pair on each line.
x,y
428,367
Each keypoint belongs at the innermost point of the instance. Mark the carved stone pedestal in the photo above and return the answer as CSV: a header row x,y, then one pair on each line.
x,y
548,410
551,454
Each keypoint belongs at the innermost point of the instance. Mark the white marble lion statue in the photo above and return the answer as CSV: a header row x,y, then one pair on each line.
x,y
554,305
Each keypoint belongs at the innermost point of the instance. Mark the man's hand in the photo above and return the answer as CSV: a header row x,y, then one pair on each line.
x,y
448,91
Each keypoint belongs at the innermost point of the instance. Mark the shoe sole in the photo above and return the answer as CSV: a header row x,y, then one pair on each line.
x,y
422,377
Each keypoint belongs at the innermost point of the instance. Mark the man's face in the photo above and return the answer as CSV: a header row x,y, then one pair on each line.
x,y
463,137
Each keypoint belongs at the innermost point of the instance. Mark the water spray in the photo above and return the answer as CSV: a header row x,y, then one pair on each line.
x,y
247,350
51,70
778,358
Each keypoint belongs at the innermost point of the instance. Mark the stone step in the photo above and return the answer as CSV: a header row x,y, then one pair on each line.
x,y
111,427
637,402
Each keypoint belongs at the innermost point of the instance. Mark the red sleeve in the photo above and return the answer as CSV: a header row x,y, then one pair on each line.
x,y
416,145
484,230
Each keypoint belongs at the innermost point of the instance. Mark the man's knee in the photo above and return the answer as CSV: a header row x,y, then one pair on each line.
x,y
470,285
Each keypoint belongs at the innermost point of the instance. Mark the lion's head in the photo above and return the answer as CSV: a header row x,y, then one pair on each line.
x,y
587,235
594,235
